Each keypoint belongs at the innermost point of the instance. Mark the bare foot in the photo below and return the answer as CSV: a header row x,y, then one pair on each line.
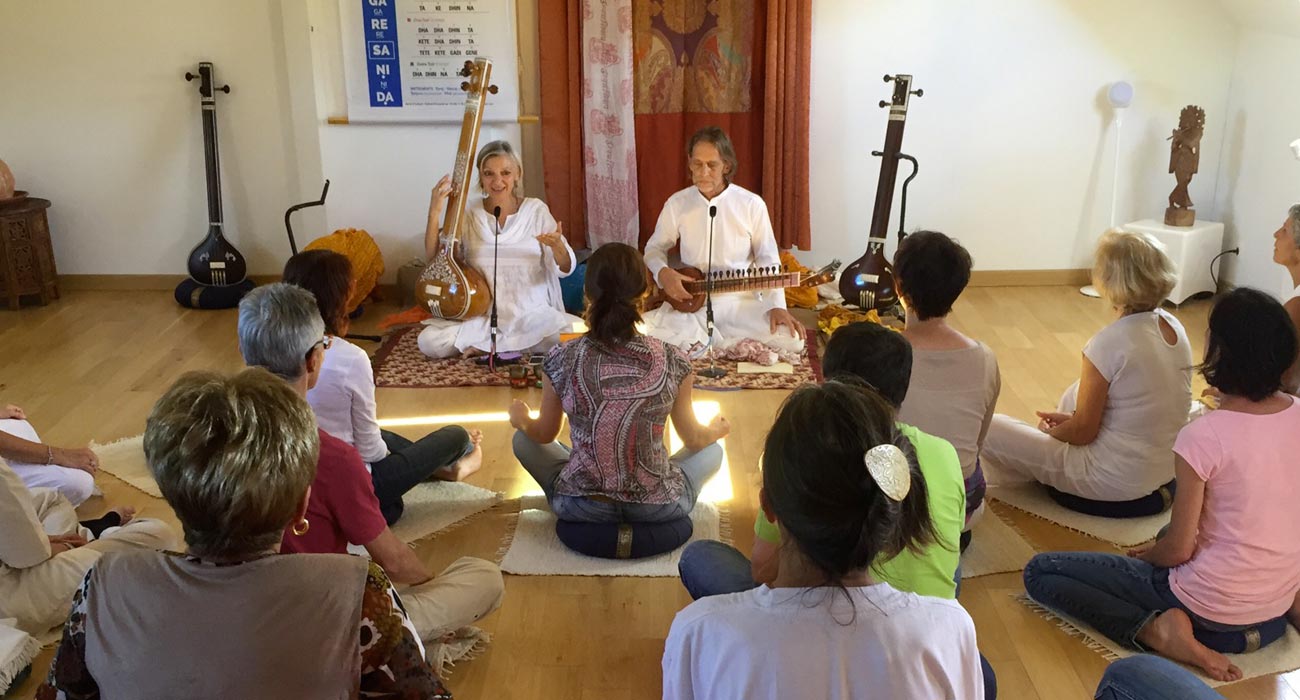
x,y
1170,633
127,513
466,465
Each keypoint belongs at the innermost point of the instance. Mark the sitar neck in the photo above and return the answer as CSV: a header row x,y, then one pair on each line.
x,y
211,160
741,281
462,174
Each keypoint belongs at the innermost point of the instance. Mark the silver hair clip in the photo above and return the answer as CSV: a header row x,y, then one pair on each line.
x,y
889,468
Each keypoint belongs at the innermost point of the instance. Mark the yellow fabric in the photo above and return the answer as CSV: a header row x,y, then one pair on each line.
x,y
802,297
367,262
834,316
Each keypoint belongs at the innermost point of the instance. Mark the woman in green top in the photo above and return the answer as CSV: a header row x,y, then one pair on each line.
x,y
870,353
881,358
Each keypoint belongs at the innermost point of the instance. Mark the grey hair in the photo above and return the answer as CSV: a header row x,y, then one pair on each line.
x,y
1293,218
501,148
718,138
278,325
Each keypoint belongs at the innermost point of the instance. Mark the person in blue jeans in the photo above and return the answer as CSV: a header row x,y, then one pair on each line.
x,y
617,388
1148,677
1225,575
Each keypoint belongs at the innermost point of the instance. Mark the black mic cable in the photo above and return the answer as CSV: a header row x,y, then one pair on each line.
x,y
492,321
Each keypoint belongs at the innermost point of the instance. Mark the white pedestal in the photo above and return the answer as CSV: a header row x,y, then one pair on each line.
x,y
1191,248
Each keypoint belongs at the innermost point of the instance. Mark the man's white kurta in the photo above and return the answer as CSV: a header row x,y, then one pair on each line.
x,y
742,238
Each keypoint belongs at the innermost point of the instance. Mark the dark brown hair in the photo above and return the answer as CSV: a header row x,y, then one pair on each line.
x,y
614,285
816,482
328,276
930,271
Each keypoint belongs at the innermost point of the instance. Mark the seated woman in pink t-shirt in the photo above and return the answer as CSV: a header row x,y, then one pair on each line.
x,y
1229,562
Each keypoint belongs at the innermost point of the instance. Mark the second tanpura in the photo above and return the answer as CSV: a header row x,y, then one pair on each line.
x,y
868,281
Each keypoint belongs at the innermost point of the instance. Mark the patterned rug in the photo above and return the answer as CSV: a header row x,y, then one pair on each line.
x,y
399,364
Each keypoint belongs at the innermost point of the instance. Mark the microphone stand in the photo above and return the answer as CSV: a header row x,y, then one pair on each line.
x,y
713,371
492,319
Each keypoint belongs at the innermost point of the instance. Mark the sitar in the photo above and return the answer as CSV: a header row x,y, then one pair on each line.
x,y
449,287
213,262
724,281
868,281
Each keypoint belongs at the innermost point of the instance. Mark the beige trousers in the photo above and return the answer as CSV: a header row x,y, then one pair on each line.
x,y
39,596
463,593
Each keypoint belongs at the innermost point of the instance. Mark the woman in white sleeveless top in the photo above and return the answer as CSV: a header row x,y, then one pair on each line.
x,y
1110,438
531,257
1286,252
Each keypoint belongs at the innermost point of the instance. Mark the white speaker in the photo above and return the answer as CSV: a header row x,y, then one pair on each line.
x,y
1295,148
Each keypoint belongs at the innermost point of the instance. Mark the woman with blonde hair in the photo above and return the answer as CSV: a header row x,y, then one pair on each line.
x,y
530,258
235,458
1105,449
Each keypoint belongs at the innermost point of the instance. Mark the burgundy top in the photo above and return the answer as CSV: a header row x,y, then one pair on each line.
x,y
617,399
342,508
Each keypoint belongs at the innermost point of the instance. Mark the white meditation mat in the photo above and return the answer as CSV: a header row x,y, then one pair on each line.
x,y
996,547
1281,656
17,649
1123,532
535,550
430,507
124,459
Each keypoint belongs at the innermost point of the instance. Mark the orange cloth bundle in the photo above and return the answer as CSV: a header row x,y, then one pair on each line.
x,y
367,262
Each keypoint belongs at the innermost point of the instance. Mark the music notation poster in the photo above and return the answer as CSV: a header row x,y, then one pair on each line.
x,y
402,58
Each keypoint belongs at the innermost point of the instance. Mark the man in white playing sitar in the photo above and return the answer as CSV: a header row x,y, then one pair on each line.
x,y
742,238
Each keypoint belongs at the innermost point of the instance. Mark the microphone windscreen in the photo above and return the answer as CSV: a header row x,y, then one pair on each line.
x,y
713,210
496,211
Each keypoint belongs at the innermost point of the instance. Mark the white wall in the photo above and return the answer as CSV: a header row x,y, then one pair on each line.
x,y
1012,134
96,116
1259,176
381,174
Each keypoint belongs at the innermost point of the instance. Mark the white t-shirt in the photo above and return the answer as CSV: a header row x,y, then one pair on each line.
x,y
344,400
810,643
1146,406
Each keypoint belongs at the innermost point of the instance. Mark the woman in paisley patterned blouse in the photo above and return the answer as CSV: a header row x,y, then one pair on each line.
x,y
618,388
235,457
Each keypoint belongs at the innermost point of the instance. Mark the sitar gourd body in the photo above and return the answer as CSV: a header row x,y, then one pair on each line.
x,y
449,287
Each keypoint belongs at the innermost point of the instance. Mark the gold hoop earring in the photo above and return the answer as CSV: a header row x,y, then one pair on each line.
x,y
301,527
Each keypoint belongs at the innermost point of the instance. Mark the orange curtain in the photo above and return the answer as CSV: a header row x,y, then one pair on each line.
x,y
785,120
561,84
738,64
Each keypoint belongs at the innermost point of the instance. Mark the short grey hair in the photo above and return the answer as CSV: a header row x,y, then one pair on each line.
x,y
278,325
501,148
1293,220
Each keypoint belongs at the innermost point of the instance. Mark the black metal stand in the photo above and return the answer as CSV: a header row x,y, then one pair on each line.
x,y
713,371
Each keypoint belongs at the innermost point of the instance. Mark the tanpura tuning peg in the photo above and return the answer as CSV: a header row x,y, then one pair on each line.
x,y
883,104
189,76
467,69
225,89
919,92
465,86
492,89
889,78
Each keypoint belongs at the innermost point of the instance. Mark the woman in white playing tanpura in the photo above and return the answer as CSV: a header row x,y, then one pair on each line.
x,y
531,258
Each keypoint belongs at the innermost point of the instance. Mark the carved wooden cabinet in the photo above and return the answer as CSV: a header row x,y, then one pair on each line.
x,y
26,255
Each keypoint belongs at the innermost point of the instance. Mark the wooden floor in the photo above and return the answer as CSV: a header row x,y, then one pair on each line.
x,y
90,366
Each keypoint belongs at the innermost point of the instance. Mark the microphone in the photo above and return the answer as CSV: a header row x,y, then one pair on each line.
x,y
492,321
713,371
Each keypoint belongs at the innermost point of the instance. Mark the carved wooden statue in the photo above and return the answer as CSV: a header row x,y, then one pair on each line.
x,y
1184,160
